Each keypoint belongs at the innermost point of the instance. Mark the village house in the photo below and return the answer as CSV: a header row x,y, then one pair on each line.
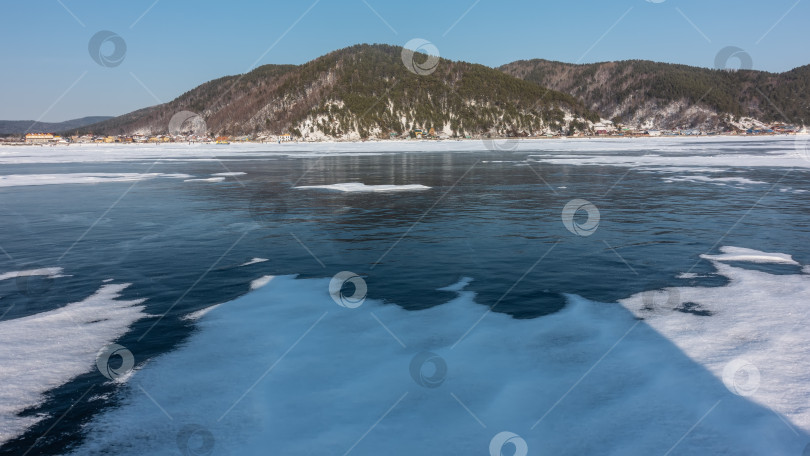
x,y
39,138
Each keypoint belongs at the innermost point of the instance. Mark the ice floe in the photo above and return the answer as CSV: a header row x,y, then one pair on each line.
x,y
360,187
20,180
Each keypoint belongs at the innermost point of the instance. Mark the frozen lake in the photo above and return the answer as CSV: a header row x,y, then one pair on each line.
x,y
637,296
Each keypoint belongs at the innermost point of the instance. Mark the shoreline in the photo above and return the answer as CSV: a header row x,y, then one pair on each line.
x,y
414,141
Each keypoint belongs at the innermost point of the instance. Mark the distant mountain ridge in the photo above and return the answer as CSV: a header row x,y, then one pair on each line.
x,y
369,91
18,127
673,96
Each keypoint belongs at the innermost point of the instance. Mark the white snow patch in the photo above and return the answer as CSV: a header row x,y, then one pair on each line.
x,y
208,179
51,273
715,180
20,180
194,316
254,261
750,255
759,317
688,275
680,151
261,282
46,350
683,169
360,187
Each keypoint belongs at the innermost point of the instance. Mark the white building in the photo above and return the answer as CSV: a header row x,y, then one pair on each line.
x,y
39,138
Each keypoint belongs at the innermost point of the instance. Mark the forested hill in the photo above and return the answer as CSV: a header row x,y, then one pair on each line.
x,y
366,91
18,127
670,96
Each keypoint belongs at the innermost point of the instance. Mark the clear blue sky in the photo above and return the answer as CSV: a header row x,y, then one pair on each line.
x,y
174,45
